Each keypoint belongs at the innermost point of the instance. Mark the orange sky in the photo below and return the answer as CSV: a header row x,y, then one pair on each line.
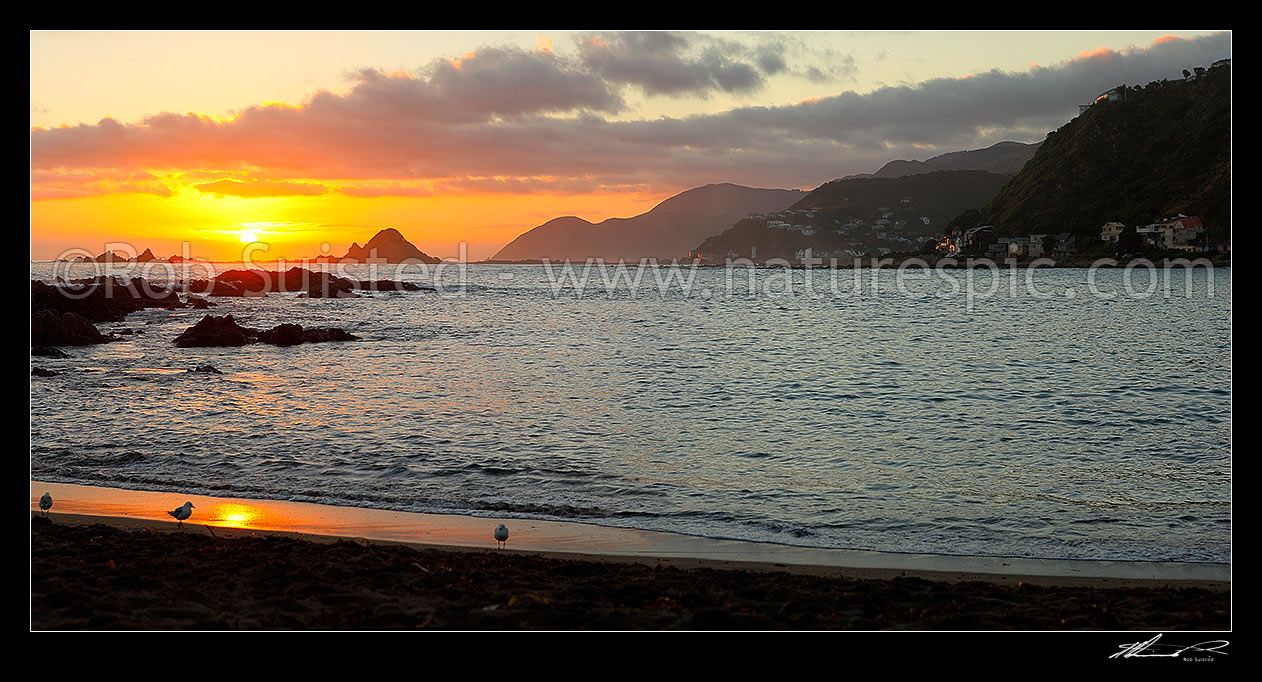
x,y
300,227
476,137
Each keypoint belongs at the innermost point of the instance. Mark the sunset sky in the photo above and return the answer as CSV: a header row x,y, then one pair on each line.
x,y
308,141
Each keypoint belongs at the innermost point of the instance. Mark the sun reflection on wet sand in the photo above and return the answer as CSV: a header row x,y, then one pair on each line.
x,y
146,508
234,515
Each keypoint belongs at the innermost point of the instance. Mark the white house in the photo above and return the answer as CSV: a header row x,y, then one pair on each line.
x,y
1112,231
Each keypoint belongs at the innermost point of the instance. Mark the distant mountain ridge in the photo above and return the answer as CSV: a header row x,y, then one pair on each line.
x,y
859,215
943,194
670,230
1006,158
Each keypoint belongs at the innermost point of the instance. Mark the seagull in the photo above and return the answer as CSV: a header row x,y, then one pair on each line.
x,y
46,503
501,534
181,513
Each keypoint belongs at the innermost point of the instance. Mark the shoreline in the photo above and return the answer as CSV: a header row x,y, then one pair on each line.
x,y
99,577
241,517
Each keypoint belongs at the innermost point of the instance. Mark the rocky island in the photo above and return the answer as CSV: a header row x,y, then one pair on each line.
x,y
214,331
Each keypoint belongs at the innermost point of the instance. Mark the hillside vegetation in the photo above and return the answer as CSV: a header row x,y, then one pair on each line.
x,y
861,215
1164,148
1004,157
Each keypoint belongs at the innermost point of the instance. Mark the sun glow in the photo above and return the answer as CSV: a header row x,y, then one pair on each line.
x,y
296,227
235,515
248,236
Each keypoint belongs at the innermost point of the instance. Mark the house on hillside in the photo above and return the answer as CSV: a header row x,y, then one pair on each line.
x,y
1112,232
1117,94
1064,245
961,240
977,236
1152,236
810,252
1039,246
998,249
1182,232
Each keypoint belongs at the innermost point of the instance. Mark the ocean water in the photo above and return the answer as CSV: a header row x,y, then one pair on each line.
x,y
895,412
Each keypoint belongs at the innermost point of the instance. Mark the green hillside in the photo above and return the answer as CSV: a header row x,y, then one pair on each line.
x,y
860,215
941,195
1162,148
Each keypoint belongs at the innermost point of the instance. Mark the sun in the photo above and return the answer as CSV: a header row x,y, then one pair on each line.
x,y
249,236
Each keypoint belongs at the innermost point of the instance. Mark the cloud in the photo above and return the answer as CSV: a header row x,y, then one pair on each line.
x,y
510,120
261,188
508,82
79,183
676,64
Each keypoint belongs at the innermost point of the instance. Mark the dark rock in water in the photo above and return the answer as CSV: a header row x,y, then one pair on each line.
x,y
224,331
41,372
199,303
51,328
102,299
315,283
49,352
311,283
245,280
294,334
214,331
205,369
391,285
332,289
214,288
326,335
283,335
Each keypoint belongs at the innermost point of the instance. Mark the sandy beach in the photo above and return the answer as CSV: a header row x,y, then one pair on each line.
x,y
115,573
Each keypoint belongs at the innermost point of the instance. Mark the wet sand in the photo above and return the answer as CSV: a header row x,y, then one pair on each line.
x,y
560,539
100,573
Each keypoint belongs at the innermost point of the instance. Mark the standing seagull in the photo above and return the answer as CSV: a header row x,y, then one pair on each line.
x,y
46,503
501,534
181,513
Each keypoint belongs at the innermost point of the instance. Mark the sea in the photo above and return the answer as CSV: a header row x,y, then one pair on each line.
x,y
1044,412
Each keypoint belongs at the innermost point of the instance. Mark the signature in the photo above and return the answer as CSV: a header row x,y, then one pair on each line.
x,y
1151,649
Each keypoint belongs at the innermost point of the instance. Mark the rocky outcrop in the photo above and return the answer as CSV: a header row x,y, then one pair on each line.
x,y
309,283
336,289
214,331
323,335
390,285
314,283
112,257
102,299
282,335
205,369
388,246
214,288
52,328
64,314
